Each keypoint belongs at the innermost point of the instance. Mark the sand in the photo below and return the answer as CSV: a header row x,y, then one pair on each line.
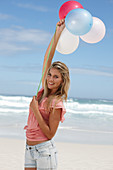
x,y
71,156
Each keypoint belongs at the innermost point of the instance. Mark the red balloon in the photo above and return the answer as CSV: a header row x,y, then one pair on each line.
x,y
67,7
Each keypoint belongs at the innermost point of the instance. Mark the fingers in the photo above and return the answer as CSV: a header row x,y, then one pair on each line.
x,y
61,22
33,102
33,99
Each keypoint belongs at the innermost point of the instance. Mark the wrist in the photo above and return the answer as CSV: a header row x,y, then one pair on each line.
x,y
35,111
58,31
60,26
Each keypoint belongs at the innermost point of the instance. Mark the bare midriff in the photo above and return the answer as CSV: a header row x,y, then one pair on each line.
x,y
31,143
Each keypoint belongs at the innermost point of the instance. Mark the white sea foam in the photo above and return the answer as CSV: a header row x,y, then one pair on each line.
x,y
6,111
13,104
89,112
78,108
16,99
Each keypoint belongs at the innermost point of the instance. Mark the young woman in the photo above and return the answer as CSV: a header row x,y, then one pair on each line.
x,y
46,111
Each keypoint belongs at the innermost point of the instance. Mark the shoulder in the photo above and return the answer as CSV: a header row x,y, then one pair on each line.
x,y
59,105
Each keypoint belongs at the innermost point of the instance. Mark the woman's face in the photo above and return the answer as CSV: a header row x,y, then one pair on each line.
x,y
54,79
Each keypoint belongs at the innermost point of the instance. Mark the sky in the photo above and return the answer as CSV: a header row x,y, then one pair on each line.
x,y
26,28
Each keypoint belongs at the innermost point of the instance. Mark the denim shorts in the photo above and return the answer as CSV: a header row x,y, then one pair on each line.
x,y
42,156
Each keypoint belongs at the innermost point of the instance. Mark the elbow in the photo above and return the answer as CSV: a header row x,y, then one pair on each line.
x,y
50,136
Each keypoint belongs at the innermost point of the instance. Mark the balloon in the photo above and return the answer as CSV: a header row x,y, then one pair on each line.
x,y
67,43
67,7
96,33
79,21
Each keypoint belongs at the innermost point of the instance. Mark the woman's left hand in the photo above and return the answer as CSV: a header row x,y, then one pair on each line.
x,y
34,105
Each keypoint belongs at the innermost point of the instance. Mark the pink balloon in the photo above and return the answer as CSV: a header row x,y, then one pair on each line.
x,y
67,7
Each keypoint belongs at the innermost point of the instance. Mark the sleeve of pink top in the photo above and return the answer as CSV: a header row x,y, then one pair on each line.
x,y
59,105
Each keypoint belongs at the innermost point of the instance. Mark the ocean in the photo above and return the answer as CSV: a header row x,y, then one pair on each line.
x,y
88,121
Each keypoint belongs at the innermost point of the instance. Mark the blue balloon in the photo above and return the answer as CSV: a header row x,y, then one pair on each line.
x,y
79,21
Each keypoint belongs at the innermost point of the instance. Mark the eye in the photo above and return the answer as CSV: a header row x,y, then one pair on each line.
x,y
56,76
49,74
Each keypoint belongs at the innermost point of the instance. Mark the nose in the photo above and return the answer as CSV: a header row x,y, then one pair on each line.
x,y
51,78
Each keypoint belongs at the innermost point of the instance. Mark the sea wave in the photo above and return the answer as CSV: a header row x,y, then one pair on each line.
x,y
22,99
7,111
78,108
13,104
89,112
87,107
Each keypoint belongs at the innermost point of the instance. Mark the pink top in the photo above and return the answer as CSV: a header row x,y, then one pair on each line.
x,y
33,130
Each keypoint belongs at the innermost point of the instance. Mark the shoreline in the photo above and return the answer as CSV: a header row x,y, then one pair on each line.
x,y
69,97
71,156
77,136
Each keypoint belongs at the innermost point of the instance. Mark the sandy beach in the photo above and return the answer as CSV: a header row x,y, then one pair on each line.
x,y
71,156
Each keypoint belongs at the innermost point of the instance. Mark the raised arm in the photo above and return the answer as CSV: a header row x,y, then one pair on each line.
x,y
59,28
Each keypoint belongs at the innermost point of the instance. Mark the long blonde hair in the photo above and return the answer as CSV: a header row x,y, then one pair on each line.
x,y
62,91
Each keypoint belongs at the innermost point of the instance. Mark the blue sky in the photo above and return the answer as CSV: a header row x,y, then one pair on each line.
x,y
26,28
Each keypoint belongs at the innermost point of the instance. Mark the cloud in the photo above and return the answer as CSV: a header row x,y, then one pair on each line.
x,y
25,68
5,16
35,36
32,83
21,39
35,68
33,7
111,1
86,71
6,46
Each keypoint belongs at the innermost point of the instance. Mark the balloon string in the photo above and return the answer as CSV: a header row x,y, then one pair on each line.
x,y
46,63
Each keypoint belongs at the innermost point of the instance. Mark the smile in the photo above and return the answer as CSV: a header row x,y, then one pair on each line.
x,y
50,83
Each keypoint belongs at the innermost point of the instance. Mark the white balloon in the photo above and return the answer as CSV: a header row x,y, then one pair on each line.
x,y
67,43
96,33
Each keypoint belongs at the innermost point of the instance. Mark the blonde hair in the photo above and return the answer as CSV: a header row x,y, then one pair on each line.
x,y
62,91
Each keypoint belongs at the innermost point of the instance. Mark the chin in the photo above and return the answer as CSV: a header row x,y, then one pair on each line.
x,y
50,87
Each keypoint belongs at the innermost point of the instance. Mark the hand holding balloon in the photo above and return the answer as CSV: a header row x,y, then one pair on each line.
x,y
60,25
